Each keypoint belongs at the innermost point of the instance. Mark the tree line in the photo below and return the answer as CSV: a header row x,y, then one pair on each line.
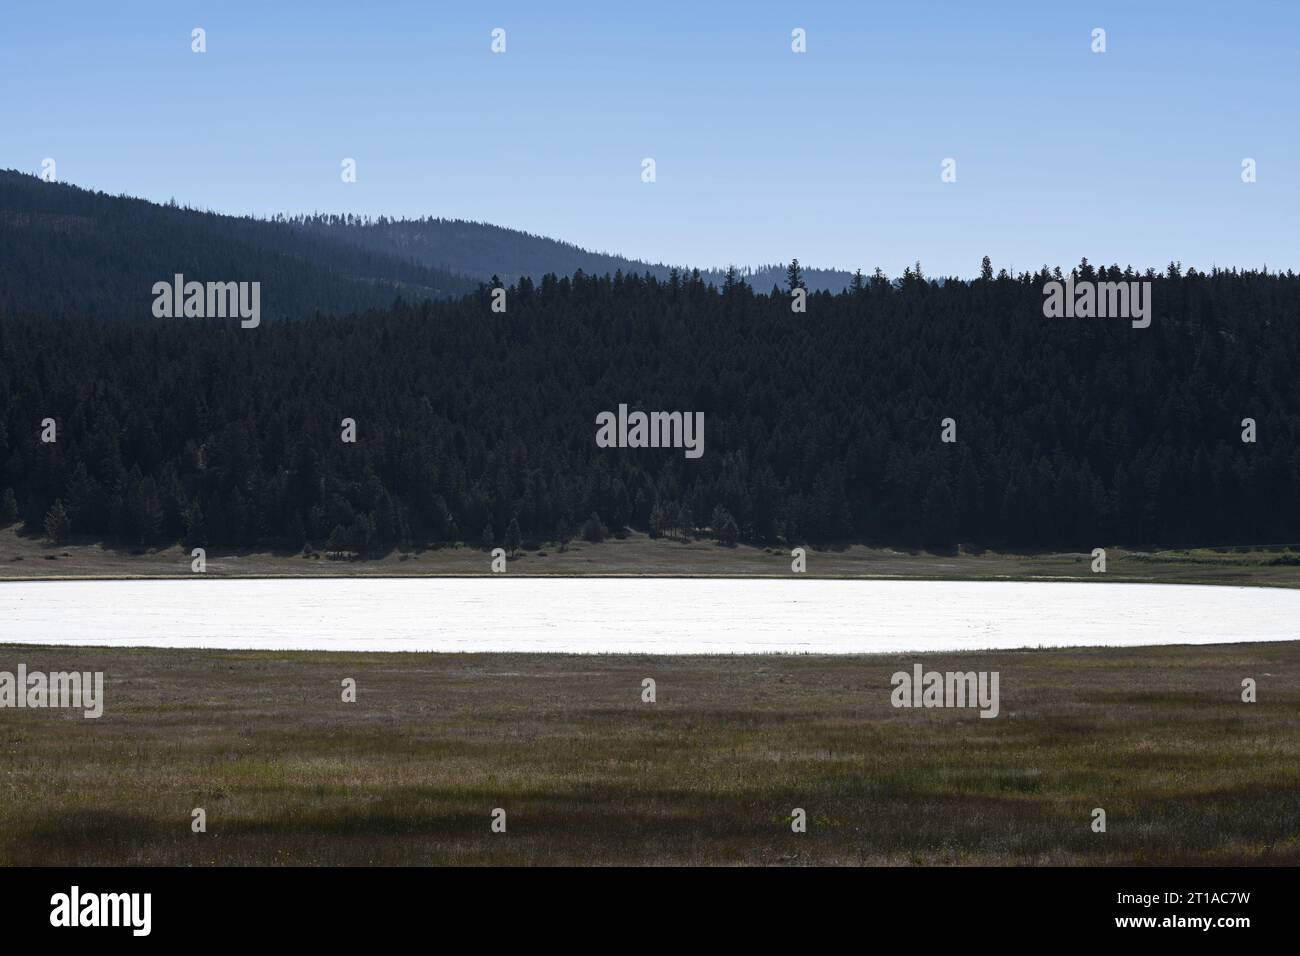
x,y
474,426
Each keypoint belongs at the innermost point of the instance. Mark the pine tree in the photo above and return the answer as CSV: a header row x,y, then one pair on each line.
x,y
657,521
9,512
685,522
195,531
57,524
513,536
594,530
794,276
724,526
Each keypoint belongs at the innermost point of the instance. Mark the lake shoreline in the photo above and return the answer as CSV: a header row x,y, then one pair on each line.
x,y
27,558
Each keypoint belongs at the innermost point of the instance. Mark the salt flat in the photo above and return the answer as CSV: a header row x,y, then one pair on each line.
x,y
637,615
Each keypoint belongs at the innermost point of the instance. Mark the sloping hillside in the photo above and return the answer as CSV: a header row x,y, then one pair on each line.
x,y
482,250
66,251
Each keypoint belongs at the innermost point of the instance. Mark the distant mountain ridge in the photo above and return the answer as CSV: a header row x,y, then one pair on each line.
x,y
68,250
71,251
482,250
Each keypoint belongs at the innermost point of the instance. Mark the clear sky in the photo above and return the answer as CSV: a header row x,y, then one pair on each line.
x,y
832,156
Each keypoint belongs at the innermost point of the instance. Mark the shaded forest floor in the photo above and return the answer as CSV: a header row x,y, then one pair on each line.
x,y
709,773
25,557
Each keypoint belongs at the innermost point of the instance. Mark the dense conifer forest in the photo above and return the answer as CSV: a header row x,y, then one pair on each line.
x,y
479,427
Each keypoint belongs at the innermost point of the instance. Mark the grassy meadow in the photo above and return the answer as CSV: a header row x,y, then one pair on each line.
x,y
708,774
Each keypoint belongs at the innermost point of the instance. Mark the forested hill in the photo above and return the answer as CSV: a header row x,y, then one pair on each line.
x,y
70,251
88,252
818,426
482,251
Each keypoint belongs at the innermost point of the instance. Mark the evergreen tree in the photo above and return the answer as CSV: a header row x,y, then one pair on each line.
x,y
658,521
57,524
594,530
685,522
513,536
794,276
8,507
725,530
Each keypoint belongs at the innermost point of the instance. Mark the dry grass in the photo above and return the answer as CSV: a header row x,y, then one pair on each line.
x,y
588,773
27,557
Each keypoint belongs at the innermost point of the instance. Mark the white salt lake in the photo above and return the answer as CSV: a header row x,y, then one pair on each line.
x,y
637,615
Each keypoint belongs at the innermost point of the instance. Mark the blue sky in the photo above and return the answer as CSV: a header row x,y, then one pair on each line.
x,y
832,156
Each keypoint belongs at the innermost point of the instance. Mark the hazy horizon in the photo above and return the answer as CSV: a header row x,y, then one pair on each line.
x,y
743,267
